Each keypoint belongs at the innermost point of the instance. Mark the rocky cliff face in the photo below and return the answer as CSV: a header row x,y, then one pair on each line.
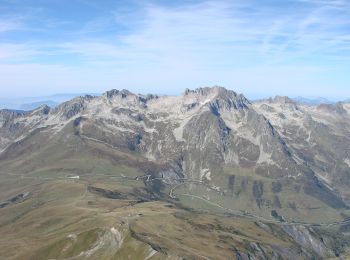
x,y
15,125
317,136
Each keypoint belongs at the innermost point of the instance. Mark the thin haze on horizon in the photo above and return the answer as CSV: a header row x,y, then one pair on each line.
x,y
258,48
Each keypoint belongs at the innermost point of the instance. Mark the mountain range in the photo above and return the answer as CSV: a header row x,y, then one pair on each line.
x,y
31,103
275,167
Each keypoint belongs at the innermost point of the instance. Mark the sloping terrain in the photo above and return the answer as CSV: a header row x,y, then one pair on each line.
x,y
318,135
126,175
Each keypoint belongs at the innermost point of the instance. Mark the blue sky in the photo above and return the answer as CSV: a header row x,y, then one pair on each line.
x,y
256,47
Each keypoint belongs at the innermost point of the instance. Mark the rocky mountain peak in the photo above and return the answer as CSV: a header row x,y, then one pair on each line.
x,y
217,96
132,99
338,108
11,114
115,92
210,91
11,111
70,108
284,100
146,98
42,110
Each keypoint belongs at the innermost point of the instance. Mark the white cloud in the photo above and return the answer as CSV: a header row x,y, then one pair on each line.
x,y
240,44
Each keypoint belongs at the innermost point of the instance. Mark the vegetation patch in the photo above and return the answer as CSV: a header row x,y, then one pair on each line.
x,y
106,193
